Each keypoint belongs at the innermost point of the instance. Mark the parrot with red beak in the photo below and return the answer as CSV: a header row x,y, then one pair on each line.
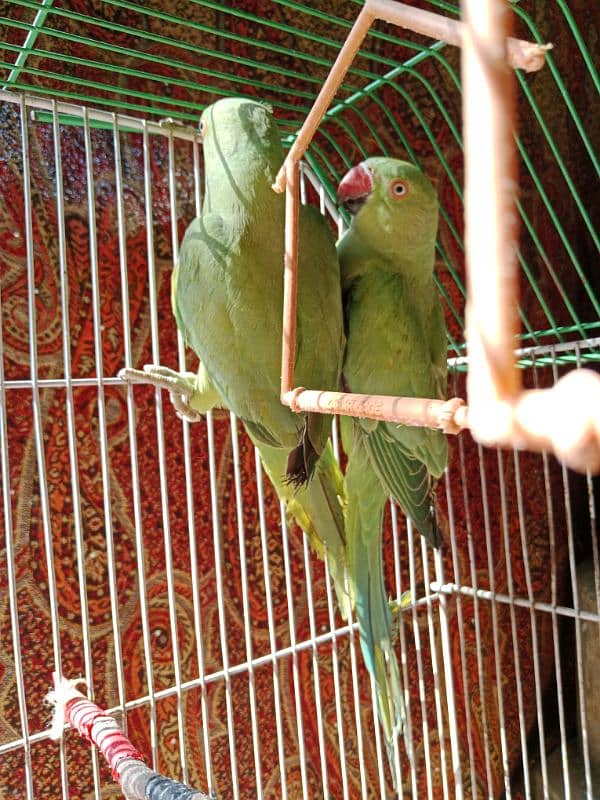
x,y
396,345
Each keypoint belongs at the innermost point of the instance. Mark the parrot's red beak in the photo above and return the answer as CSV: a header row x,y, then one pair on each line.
x,y
355,187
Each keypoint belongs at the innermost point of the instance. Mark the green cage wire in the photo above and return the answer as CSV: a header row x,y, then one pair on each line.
x,y
107,75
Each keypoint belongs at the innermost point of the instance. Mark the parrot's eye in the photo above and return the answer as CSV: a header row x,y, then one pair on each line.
x,y
202,127
398,189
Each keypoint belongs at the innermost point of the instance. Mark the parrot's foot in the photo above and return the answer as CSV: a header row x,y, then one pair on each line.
x,y
446,415
396,607
180,385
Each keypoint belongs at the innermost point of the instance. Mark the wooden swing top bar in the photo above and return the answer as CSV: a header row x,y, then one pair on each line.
x,y
500,412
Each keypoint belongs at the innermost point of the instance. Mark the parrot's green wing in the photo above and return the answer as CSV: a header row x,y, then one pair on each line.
x,y
406,478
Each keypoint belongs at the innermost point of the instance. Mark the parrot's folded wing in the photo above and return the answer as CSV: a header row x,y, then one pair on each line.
x,y
201,245
407,479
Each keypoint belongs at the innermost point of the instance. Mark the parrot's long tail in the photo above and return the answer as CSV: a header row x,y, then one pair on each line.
x,y
364,516
317,507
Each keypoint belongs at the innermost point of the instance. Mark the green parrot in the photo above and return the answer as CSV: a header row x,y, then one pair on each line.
x,y
227,298
396,345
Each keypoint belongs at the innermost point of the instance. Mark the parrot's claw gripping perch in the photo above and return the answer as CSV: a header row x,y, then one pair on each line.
x,y
180,385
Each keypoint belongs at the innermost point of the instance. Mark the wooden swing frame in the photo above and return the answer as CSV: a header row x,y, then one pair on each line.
x,y
564,419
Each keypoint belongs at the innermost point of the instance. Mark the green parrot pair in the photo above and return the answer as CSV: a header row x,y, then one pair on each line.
x,y
382,332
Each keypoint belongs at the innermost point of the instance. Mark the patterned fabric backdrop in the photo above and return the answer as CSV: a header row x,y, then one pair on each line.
x,y
47,511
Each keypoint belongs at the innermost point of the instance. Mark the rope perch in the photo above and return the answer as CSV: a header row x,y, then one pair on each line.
x,y
137,781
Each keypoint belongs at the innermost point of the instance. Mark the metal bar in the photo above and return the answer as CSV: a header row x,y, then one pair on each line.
x,y
239,507
529,352
162,453
437,698
162,471
352,628
11,573
377,729
96,115
79,540
192,531
593,524
295,670
461,618
131,424
271,623
419,655
533,624
336,687
315,668
217,546
448,678
38,423
538,350
144,34
71,423
408,724
477,621
37,25
583,731
513,625
501,597
550,516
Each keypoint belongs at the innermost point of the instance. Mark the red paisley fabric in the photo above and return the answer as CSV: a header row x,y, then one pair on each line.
x,y
88,499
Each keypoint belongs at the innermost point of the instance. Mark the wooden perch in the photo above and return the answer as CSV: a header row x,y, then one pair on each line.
x,y
566,418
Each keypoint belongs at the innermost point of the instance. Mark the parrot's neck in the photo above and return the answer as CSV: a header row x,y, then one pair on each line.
x,y
414,263
239,186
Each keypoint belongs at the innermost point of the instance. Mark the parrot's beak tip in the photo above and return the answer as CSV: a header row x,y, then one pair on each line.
x,y
355,187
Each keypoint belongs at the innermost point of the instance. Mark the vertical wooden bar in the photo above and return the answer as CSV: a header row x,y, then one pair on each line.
x,y
491,235
290,276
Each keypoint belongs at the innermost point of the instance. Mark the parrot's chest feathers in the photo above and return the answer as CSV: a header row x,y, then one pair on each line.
x,y
388,320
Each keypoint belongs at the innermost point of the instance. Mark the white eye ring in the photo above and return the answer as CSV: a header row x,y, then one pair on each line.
x,y
398,189
201,127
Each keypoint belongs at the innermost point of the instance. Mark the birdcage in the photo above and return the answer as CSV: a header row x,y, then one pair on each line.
x,y
151,556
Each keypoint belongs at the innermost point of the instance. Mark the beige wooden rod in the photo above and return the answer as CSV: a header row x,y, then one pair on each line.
x,y
448,415
332,83
566,418
523,54
491,225
529,56
290,280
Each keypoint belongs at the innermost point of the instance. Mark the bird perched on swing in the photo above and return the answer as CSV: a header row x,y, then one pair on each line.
x,y
227,298
396,345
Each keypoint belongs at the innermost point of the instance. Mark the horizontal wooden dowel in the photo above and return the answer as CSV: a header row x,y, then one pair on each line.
x,y
528,56
449,415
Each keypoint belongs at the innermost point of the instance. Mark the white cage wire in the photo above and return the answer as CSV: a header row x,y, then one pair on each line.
x,y
456,607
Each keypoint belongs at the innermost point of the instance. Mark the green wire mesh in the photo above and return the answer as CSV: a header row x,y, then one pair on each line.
x,y
151,60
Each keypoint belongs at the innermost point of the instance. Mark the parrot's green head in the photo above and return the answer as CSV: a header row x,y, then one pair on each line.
x,y
392,204
237,131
